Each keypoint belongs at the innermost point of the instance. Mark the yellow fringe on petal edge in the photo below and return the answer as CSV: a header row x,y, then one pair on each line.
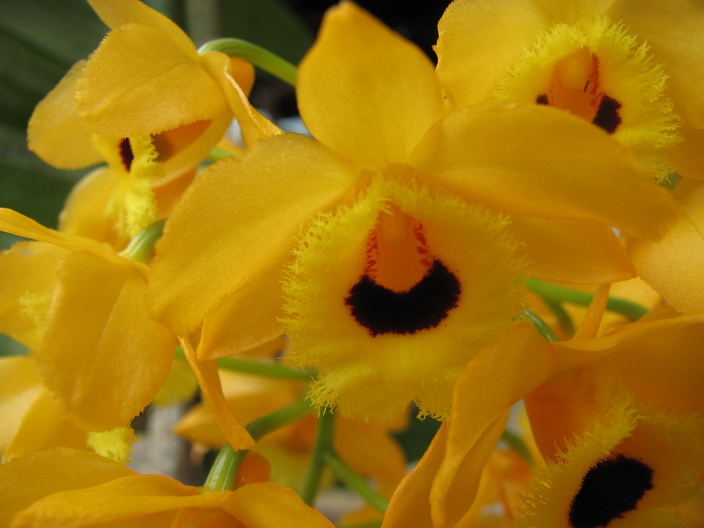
x,y
626,73
115,444
376,372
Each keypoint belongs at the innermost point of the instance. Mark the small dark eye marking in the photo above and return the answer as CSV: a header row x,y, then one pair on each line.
x,y
425,305
607,116
126,154
542,99
610,489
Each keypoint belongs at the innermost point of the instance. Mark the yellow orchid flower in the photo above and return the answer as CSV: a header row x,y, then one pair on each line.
x,y
654,359
372,185
615,63
96,331
442,488
393,296
147,77
64,486
90,116
627,465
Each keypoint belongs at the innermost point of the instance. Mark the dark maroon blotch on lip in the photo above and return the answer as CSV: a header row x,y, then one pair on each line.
x,y
609,489
425,305
126,154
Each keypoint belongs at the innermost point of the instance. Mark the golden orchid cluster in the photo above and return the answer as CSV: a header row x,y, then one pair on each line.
x,y
508,241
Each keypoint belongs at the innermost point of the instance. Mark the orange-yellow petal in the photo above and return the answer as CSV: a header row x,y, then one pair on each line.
x,y
365,91
138,82
514,158
140,500
589,325
84,213
673,266
568,12
370,451
578,353
663,370
243,322
55,132
20,387
207,374
183,148
249,397
253,125
492,382
100,335
673,31
20,225
27,280
43,426
589,252
237,224
270,505
475,37
688,156
117,13
35,475
562,408
410,504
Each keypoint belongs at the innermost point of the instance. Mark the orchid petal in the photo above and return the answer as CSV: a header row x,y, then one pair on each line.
x,y
238,223
365,91
98,334
515,158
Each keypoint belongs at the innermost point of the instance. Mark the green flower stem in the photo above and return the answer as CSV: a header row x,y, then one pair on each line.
x,y
265,370
257,55
557,293
323,444
541,326
222,474
354,481
280,418
370,524
258,368
516,443
563,318
141,247
219,153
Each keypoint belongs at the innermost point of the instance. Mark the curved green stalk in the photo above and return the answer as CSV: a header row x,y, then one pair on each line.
x,y
141,247
354,481
263,58
564,320
218,153
258,368
266,370
222,474
557,293
323,444
541,326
